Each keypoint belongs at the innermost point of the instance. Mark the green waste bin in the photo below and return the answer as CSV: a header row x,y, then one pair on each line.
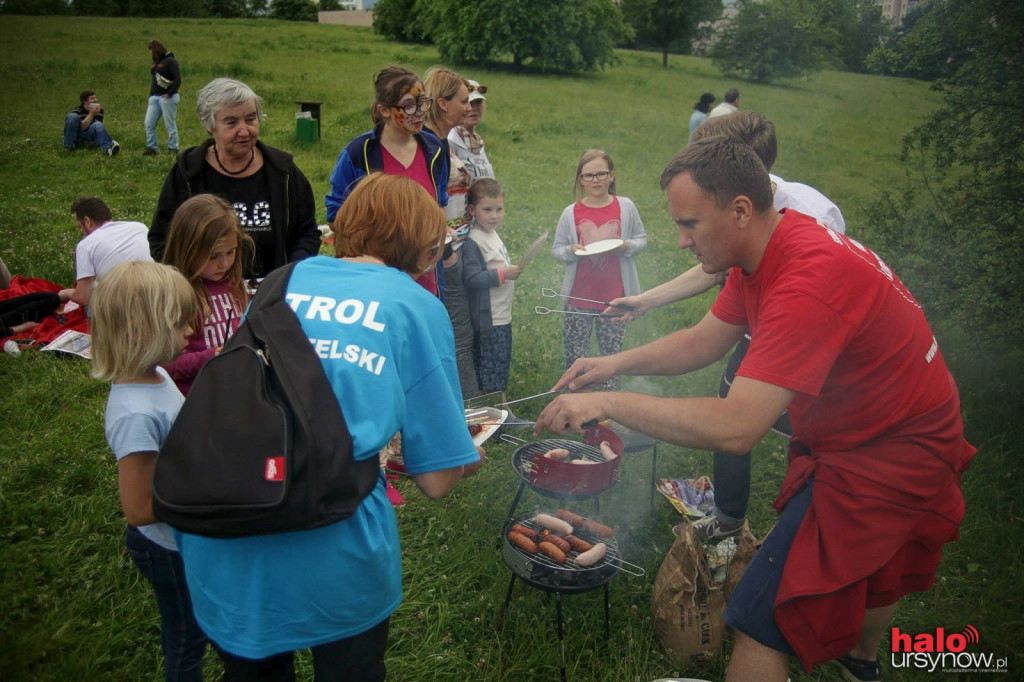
x,y
307,129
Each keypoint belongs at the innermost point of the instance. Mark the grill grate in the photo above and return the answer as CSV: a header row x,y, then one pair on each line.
x,y
565,478
542,571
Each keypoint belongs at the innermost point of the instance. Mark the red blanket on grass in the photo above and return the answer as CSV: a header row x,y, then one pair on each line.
x,y
874,531
53,326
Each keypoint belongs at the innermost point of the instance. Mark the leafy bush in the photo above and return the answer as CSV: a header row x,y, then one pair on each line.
x,y
401,20
768,41
295,10
955,232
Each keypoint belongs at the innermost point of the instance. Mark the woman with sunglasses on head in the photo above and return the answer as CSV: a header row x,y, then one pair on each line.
x,y
595,275
398,144
466,143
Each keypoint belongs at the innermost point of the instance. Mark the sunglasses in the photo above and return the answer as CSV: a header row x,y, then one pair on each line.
x,y
482,89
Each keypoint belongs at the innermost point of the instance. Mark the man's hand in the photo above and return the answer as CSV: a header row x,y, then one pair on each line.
x,y
626,308
567,413
586,371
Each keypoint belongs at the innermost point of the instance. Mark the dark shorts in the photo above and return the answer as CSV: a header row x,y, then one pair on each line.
x,y
751,607
493,357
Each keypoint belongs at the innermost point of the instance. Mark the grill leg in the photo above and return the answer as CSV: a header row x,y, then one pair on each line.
x,y
607,618
654,471
515,500
508,599
561,639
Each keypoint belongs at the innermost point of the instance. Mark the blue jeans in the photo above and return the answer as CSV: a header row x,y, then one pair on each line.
x,y
168,108
93,136
183,641
732,472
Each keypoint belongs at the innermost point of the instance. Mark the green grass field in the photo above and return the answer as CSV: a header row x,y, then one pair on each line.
x,y
72,606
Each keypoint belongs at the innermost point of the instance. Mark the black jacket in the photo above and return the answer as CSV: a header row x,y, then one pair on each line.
x,y
169,69
293,209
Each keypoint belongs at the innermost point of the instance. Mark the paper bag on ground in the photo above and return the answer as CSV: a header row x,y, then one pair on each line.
x,y
688,609
745,548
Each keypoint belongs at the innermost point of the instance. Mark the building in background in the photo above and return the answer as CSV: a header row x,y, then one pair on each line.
x,y
896,10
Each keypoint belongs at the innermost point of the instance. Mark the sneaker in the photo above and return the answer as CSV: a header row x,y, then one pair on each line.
x,y
149,151
710,529
395,497
859,669
113,149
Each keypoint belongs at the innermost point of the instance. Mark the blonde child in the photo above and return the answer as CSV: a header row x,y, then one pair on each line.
x,y
590,280
204,243
141,318
489,277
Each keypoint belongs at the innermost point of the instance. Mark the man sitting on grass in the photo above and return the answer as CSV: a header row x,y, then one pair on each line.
x,y
83,126
106,243
872,488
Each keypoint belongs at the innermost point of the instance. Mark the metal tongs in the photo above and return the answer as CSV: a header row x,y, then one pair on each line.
x,y
551,293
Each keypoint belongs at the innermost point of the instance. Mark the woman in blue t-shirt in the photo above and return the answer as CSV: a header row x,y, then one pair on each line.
x,y
387,349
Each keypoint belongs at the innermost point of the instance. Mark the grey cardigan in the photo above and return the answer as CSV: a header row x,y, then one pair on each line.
x,y
632,232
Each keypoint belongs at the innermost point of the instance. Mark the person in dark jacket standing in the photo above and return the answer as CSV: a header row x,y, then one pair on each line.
x,y
165,80
273,199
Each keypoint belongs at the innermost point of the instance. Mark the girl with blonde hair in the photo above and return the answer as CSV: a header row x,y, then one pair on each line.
x,y
141,318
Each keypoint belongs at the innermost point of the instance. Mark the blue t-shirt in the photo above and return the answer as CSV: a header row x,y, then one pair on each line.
x,y
388,349
137,419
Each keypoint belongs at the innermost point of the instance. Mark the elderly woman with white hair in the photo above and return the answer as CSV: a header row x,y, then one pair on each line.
x,y
272,197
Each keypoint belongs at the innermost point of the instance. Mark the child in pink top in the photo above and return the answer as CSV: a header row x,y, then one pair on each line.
x,y
592,279
203,244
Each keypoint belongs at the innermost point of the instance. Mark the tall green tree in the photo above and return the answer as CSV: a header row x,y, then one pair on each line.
x,y
402,20
771,40
956,233
566,35
668,25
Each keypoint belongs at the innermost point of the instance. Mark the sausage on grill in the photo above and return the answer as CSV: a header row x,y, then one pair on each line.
x,y
591,557
522,542
553,551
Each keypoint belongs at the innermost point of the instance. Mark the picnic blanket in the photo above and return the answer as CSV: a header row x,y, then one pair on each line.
x,y
52,326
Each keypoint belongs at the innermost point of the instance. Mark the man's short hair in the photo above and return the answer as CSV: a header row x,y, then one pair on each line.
x,y
748,127
731,95
91,207
86,94
724,169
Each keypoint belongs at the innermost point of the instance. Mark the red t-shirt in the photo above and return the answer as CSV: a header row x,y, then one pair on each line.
x,y
597,277
876,423
420,172
831,321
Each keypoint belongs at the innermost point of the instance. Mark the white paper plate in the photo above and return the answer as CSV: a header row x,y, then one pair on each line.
x,y
602,246
490,417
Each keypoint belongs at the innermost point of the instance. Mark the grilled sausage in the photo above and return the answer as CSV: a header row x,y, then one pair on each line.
x,y
597,528
558,542
561,454
578,544
583,461
607,452
553,523
522,542
592,556
525,530
553,551
569,517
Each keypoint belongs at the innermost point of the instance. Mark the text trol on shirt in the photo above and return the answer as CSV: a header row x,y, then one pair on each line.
x,y
350,311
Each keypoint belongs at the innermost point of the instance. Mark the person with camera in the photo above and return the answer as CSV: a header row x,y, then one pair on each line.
x,y
83,126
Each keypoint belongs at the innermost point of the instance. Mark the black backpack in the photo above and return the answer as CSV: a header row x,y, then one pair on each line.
x,y
260,445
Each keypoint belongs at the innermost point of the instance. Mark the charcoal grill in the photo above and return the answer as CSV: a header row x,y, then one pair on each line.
x,y
543,572
565,481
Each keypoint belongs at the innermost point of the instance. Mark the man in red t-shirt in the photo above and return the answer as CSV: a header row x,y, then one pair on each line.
x,y
872,490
